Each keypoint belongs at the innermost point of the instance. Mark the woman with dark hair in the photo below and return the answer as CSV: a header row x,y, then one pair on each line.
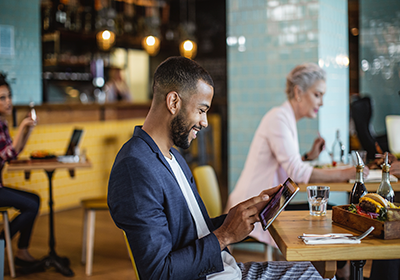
x,y
27,203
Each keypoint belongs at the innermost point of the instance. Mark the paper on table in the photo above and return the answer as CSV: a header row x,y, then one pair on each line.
x,y
375,176
328,240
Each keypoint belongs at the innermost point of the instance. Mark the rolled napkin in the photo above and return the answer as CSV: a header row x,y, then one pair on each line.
x,y
331,238
328,240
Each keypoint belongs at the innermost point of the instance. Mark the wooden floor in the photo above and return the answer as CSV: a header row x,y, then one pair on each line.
x,y
111,260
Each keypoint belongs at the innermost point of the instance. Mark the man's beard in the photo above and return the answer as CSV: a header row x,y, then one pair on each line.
x,y
180,132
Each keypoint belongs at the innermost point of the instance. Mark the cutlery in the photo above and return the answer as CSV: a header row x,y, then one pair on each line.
x,y
337,235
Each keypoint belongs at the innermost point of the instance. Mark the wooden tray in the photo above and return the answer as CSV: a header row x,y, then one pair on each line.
x,y
384,230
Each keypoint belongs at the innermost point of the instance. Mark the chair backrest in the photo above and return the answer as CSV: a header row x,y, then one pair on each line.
x,y
393,133
207,185
131,256
361,112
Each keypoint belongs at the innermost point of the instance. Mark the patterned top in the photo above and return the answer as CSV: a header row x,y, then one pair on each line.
x,y
7,151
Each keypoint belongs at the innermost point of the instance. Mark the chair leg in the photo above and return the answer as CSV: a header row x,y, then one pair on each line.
x,y
84,232
8,244
268,252
90,241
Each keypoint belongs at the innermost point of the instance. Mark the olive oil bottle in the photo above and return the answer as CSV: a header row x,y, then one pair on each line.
x,y
359,189
385,189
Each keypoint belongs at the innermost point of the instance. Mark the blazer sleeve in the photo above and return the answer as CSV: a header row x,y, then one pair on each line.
x,y
140,205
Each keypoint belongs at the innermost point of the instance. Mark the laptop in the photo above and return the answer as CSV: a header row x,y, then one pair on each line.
x,y
72,145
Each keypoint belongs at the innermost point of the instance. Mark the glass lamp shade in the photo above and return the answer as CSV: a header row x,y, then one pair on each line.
x,y
188,48
105,39
151,45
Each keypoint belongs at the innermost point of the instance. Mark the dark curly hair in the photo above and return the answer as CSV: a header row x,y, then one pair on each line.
x,y
3,81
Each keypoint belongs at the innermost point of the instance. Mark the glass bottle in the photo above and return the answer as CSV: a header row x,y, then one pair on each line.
x,y
359,189
337,150
385,189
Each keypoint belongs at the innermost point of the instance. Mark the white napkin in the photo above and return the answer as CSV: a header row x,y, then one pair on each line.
x,y
330,240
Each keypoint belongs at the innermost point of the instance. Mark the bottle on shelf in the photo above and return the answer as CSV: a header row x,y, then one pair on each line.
x,y
385,188
359,189
337,150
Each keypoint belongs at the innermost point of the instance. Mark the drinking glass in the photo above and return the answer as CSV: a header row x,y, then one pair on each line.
x,y
318,197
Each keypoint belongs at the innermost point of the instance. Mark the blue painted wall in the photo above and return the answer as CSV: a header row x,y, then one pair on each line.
x,y
278,36
24,67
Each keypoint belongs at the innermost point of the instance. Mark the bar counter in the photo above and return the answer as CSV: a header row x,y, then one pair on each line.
x,y
77,112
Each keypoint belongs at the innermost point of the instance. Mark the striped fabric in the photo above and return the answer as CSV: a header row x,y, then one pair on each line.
x,y
279,270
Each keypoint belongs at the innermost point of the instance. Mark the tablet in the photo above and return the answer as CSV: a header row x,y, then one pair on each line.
x,y
278,202
74,141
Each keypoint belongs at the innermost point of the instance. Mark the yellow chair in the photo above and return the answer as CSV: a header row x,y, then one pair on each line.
x,y
7,235
131,256
208,188
90,206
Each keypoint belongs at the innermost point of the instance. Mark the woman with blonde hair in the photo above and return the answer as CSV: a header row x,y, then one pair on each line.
x,y
274,152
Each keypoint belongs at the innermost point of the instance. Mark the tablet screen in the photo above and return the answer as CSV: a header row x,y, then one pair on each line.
x,y
74,141
278,202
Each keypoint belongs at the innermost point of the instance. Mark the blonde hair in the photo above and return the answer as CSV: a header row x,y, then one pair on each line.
x,y
304,76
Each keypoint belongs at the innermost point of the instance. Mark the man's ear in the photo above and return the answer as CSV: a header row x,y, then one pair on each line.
x,y
173,101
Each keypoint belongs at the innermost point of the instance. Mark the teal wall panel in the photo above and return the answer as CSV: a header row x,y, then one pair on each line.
x,y
24,67
278,36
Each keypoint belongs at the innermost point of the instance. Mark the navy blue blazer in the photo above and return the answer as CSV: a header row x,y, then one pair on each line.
x,y
146,201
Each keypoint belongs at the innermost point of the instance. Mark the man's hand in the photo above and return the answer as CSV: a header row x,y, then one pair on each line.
x,y
241,218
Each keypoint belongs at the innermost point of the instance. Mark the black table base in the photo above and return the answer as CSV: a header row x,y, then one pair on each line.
x,y
356,270
61,264
53,260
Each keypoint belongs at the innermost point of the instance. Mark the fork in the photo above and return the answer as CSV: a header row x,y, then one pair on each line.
x,y
363,235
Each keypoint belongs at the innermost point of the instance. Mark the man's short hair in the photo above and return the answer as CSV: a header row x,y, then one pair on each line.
x,y
178,74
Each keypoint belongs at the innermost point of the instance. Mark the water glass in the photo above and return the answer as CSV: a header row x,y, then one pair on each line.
x,y
318,197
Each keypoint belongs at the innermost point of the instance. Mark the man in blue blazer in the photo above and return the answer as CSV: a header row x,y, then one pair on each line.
x,y
153,197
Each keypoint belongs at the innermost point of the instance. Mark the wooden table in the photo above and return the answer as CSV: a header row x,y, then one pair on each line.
x,y
49,166
290,224
346,187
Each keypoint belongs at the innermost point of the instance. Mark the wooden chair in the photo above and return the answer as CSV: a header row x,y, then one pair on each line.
x,y
208,188
7,235
90,207
131,256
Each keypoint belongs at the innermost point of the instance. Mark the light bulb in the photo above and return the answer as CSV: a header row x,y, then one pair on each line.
x,y
151,44
106,35
150,40
188,45
188,48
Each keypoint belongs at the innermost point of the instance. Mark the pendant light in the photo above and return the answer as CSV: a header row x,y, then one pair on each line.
x,y
151,40
105,39
105,24
188,45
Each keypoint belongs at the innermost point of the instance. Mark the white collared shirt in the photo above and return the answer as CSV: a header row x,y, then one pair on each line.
x,y
231,269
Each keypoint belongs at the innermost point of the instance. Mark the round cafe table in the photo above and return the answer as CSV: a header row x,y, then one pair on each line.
x,y
49,166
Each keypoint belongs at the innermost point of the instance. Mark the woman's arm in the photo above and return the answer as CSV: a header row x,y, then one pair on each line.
x,y
23,133
334,175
